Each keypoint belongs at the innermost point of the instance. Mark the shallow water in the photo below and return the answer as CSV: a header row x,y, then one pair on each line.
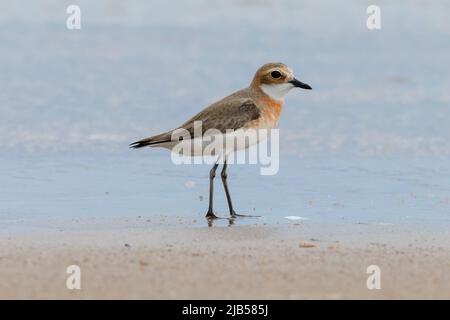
x,y
370,143
147,185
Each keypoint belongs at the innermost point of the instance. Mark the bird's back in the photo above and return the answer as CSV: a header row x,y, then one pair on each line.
x,y
230,113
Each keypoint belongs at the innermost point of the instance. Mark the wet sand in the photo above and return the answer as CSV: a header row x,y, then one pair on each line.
x,y
175,258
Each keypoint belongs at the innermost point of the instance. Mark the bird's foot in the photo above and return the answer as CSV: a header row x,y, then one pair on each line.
x,y
234,215
210,215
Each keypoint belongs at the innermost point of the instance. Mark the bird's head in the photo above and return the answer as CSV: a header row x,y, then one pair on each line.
x,y
276,79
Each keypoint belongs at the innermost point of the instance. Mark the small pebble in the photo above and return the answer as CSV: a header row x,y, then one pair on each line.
x,y
143,263
306,244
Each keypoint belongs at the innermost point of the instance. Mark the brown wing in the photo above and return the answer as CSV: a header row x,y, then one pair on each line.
x,y
233,114
222,116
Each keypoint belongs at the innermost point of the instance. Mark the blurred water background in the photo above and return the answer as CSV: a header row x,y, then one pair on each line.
x,y
369,143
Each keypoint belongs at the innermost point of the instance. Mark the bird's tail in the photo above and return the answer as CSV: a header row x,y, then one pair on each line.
x,y
153,141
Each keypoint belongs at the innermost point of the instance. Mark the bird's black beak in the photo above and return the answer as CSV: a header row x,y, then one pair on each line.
x,y
300,84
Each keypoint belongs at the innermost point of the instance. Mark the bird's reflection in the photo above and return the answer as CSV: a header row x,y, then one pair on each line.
x,y
212,221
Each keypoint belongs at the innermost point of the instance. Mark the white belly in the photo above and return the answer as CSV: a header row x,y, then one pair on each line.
x,y
218,144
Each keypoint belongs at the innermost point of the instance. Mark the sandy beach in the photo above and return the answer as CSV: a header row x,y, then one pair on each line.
x,y
136,258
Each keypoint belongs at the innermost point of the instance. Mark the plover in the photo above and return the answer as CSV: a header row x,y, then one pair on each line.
x,y
257,107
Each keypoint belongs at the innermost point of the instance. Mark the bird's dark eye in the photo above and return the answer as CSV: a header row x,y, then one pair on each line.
x,y
275,74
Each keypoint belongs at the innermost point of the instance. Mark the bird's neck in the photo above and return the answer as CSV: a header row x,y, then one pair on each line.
x,y
272,108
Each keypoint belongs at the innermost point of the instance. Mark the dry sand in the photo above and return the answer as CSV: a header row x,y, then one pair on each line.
x,y
185,260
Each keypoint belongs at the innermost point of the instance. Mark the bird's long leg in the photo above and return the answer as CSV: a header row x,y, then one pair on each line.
x,y
224,176
210,214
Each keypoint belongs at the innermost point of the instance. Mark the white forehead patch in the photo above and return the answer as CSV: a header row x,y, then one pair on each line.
x,y
276,91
